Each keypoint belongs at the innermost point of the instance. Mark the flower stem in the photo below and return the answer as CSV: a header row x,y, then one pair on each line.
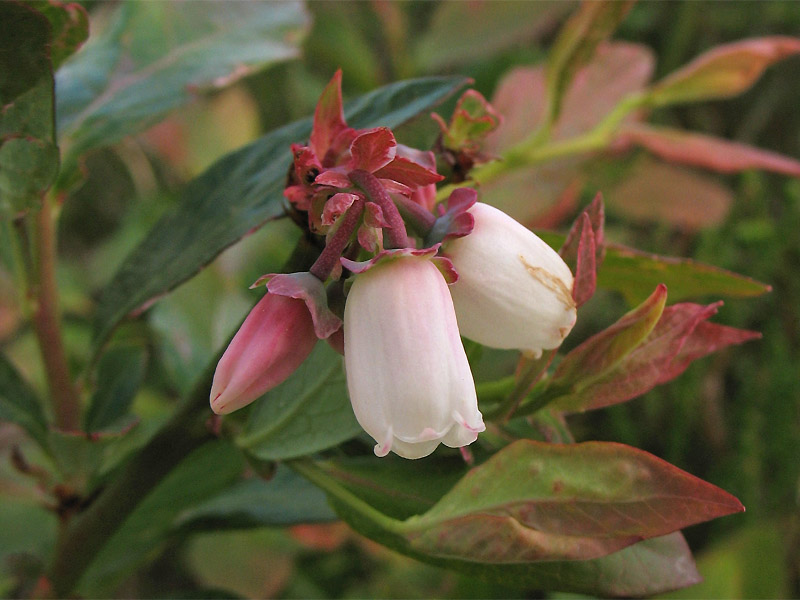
x,y
43,292
396,234
421,219
316,475
329,258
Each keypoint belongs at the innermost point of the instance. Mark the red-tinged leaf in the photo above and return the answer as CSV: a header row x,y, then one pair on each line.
x,y
373,149
597,220
408,173
645,367
666,193
399,490
493,539
706,151
681,336
586,269
538,501
601,353
591,24
705,339
328,117
722,71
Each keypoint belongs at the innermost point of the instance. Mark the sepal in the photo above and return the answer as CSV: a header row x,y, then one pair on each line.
x,y
304,286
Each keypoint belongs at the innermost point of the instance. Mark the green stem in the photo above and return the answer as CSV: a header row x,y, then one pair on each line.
x,y
495,391
537,148
316,475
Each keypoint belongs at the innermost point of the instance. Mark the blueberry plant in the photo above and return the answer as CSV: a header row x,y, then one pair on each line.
x,y
349,385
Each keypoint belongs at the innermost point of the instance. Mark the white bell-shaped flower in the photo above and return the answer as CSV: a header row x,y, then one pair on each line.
x,y
513,290
409,380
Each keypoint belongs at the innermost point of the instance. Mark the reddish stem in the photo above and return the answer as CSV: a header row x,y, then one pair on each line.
x,y
335,246
47,323
396,231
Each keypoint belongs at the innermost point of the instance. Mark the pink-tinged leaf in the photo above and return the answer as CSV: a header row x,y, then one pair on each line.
x,y
373,149
328,117
409,173
616,70
590,25
602,352
705,151
538,501
723,71
586,269
661,192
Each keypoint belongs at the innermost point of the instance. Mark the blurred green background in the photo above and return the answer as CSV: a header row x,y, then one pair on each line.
x,y
732,419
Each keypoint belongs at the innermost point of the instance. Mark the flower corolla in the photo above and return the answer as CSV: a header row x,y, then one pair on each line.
x,y
513,290
409,380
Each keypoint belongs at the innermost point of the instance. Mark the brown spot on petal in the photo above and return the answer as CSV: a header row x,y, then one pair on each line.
x,y
551,282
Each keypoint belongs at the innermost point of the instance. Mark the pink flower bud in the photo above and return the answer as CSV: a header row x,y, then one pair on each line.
x,y
513,290
408,376
275,338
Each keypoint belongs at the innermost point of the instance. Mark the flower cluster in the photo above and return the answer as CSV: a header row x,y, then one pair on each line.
x,y
466,269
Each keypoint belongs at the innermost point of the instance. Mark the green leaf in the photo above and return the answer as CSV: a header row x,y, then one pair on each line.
x,y
591,24
153,56
19,403
398,487
238,194
538,501
308,412
461,32
635,273
119,375
286,499
207,471
26,526
749,563
28,155
723,71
